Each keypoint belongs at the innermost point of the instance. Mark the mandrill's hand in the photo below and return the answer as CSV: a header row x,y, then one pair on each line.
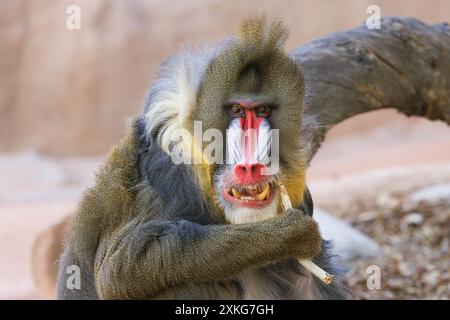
x,y
301,233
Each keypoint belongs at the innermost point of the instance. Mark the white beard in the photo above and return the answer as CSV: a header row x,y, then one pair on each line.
x,y
238,215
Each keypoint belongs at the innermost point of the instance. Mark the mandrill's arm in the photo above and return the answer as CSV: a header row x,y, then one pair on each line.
x,y
144,259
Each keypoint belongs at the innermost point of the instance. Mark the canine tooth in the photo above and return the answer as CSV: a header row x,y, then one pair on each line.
x,y
268,194
263,195
236,193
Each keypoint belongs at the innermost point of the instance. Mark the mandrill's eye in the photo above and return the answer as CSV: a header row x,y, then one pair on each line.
x,y
262,111
235,110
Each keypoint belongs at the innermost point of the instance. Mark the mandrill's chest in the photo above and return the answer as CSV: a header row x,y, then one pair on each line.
x,y
282,280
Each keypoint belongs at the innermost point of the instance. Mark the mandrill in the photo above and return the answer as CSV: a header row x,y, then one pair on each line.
x,y
153,228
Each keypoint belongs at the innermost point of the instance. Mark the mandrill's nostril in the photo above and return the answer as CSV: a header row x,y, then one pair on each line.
x,y
248,173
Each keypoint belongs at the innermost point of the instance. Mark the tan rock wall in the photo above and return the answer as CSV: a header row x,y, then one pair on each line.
x,y
68,91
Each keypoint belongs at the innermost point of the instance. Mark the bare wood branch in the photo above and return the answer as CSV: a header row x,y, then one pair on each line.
x,y
404,65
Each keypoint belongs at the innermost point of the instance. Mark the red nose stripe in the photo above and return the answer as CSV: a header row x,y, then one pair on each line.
x,y
250,125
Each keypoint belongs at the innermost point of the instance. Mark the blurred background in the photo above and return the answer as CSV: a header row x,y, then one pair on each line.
x,y
65,96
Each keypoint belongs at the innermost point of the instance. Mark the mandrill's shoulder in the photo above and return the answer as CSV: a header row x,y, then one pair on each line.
x,y
117,178
112,199
121,166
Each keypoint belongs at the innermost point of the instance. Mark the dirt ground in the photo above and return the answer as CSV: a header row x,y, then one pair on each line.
x,y
415,246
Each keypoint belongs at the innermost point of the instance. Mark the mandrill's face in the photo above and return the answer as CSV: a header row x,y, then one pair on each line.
x,y
254,96
250,92
245,184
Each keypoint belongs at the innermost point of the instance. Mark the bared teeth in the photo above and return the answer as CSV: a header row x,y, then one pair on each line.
x,y
255,192
260,188
264,194
236,193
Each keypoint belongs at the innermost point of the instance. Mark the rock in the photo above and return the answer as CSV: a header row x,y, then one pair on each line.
x,y
431,195
432,278
347,191
46,250
349,243
413,219
386,200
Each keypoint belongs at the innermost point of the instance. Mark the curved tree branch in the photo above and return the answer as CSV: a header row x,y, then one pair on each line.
x,y
404,65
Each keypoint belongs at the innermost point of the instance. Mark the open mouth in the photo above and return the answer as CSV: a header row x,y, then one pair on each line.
x,y
259,194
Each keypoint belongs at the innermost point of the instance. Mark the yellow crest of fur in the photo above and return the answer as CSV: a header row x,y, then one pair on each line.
x,y
203,169
295,185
